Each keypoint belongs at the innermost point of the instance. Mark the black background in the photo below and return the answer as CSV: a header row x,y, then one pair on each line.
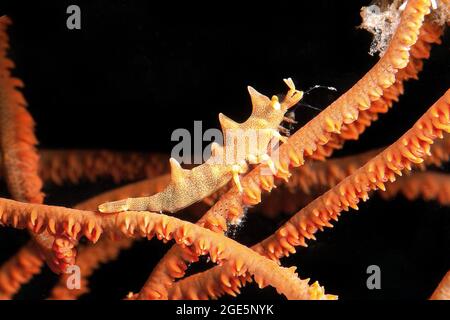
x,y
137,71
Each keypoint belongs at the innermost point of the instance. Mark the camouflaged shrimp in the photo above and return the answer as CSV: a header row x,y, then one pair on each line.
x,y
189,186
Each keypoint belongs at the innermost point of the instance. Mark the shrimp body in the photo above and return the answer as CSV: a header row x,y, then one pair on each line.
x,y
244,143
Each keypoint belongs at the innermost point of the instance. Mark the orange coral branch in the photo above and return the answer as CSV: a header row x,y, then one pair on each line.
x,y
442,292
411,148
315,177
428,185
18,142
71,222
429,33
74,165
345,110
20,159
89,259
64,247
19,270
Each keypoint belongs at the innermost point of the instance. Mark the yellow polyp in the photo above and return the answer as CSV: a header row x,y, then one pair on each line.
x,y
381,185
282,232
408,39
309,149
33,217
376,92
443,126
225,280
349,117
446,112
434,113
90,226
407,154
15,222
281,169
266,182
329,125
184,231
363,102
126,224
293,157
52,226
238,266
237,181
251,193
286,245
322,138
338,127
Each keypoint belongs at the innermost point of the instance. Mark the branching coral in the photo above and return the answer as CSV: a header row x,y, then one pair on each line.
x,y
442,292
405,33
20,159
345,110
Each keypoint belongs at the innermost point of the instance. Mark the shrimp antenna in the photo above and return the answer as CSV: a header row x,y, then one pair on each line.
x,y
303,104
317,86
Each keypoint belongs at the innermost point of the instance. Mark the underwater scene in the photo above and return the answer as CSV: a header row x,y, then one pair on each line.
x,y
225,151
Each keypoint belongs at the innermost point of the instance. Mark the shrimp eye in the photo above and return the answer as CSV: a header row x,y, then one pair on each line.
x,y
275,103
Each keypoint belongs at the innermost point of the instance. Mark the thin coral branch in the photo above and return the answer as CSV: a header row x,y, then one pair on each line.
x,y
411,148
18,143
59,166
426,185
60,221
429,33
19,156
89,259
73,166
315,177
92,256
442,292
19,270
